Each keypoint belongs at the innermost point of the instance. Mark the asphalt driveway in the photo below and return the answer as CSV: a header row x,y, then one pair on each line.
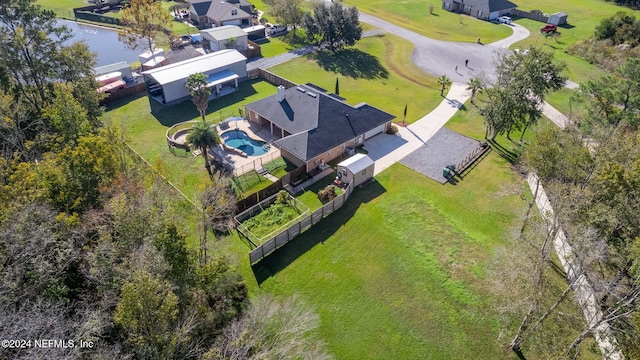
x,y
441,57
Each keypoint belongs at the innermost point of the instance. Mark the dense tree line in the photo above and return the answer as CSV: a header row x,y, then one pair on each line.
x,y
634,4
90,245
615,39
592,169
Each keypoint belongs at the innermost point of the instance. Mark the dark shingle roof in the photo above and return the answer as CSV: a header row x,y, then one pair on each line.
x,y
201,8
497,5
318,123
490,5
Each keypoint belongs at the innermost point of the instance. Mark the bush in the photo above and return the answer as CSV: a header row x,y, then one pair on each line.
x,y
327,194
393,129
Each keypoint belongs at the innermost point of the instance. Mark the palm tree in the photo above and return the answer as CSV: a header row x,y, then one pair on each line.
x,y
475,86
197,84
204,136
444,82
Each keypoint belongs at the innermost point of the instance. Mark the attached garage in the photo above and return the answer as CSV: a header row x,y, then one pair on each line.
x,y
375,131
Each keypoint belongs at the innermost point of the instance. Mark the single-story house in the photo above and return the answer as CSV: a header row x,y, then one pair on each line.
x,y
224,68
225,37
313,127
217,13
481,9
356,169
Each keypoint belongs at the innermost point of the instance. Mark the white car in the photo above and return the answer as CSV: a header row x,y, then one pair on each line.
x,y
276,29
504,20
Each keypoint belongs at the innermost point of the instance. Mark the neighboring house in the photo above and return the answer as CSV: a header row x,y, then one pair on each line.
x,y
481,9
167,84
243,4
314,127
224,37
217,13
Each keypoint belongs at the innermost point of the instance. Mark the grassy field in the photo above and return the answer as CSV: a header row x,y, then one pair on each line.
x,y
584,16
63,8
378,70
442,25
401,271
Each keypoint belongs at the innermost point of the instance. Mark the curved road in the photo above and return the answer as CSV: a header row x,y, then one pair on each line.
x,y
441,57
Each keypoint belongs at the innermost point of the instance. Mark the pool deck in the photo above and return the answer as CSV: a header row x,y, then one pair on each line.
x,y
240,163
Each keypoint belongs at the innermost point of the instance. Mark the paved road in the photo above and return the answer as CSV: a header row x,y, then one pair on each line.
x,y
440,57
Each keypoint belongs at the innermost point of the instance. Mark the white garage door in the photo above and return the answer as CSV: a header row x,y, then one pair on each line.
x,y
374,132
231,22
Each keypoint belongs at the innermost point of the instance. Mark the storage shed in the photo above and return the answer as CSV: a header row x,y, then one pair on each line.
x,y
167,84
225,37
559,18
356,169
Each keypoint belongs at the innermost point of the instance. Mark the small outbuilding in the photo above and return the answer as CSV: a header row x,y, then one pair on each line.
x,y
356,169
122,67
224,37
559,18
167,84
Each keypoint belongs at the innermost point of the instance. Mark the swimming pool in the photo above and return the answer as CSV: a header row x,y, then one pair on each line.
x,y
240,140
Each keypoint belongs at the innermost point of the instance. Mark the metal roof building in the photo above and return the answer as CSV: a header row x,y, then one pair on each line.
x,y
167,84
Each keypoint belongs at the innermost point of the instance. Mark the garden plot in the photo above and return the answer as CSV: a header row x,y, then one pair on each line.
x,y
269,217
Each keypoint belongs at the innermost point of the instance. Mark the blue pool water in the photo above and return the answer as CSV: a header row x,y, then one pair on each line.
x,y
240,140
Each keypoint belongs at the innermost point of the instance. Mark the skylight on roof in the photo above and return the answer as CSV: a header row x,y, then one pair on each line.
x,y
301,89
312,94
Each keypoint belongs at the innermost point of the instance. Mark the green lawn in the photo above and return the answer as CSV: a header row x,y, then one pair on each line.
x,y
404,270
378,71
145,122
442,25
401,271
62,8
561,100
584,16
578,70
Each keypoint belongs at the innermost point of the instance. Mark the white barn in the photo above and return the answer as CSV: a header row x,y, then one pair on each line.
x,y
167,84
356,169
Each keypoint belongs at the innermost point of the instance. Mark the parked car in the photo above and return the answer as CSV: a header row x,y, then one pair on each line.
x,y
505,20
549,28
276,29
195,38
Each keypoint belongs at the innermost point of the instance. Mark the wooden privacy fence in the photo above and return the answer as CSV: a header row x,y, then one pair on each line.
x,y
269,246
123,93
254,198
533,15
270,78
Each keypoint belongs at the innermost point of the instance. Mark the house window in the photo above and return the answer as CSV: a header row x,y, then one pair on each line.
x,y
364,171
479,14
234,12
329,155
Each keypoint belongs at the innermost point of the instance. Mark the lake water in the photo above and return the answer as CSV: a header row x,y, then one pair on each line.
x,y
104,42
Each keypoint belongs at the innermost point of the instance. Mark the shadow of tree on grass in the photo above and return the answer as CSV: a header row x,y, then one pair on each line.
x,y
351,63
